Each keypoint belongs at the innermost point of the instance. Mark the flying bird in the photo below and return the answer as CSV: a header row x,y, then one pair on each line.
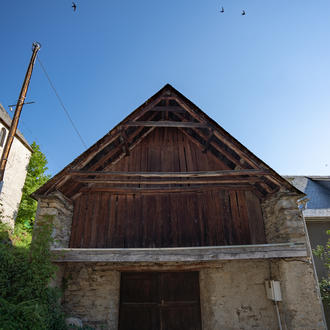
x,y
243,12
222,10
74,6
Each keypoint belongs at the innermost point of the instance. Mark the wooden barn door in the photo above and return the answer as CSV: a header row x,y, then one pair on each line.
x,y
159,301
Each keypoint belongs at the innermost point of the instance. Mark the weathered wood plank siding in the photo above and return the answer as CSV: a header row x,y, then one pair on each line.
x,y
147,220
108,218
168,150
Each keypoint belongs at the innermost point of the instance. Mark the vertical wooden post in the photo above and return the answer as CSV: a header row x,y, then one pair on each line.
x,y
19,106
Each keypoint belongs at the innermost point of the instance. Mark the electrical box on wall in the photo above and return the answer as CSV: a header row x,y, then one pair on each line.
x,y
273,290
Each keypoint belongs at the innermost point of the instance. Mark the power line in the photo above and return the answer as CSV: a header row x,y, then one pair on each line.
x,y
62,104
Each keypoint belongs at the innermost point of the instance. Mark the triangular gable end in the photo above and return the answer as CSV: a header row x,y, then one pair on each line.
x,y
166,110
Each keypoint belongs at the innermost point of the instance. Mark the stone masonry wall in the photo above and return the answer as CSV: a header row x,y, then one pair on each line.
x,y
301,300
283,219
234,296
92,294
60,210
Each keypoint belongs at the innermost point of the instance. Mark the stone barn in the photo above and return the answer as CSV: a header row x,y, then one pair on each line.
x,y
168,222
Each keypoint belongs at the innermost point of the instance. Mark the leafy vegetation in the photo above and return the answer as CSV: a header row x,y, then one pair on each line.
x,y
323,252
35,178
26,299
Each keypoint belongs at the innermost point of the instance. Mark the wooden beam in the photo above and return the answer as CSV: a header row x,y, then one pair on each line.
x,y
167,102
197,174
144,108
108,155
219,135
108,140
153,190
166,182
225,154
180,254
189,110
242,154
132,146
208,141
165,123
168,108
125,140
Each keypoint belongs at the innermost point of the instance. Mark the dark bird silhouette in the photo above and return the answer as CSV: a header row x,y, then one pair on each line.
x,y
243,13
74,6
222,10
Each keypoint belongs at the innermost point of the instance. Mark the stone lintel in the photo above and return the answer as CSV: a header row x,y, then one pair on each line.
x,y
181,254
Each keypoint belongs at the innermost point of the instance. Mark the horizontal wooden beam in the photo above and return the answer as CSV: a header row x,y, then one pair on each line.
x,y
168,108
169,181
181,254
164,190
165,123
197,174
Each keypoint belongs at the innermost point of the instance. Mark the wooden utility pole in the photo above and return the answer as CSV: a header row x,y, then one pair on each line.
x,y
13,127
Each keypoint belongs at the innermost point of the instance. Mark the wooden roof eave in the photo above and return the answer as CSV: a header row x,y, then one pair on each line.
x,y
195,112
240,147
94,149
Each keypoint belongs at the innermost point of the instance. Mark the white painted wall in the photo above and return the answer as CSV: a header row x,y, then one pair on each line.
x,y
14,179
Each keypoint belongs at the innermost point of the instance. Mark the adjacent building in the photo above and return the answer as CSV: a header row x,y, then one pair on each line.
x,y
15,172
317,216
168,222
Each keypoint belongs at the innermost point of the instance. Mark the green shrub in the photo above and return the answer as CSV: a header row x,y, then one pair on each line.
x,y
35,178
26,299
323,252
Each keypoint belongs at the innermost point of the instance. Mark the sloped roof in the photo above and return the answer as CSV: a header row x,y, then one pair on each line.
x,y
317,189
167,108
6,120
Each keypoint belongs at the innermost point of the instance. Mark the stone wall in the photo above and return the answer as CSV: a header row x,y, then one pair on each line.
x,y
234,296
92,294
58,209
14,179
283,220
301,300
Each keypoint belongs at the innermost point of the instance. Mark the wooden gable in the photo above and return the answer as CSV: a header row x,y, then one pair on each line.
x,y
168,149
166,176
168,133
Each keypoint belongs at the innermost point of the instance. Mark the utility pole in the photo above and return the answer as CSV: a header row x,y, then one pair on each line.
x,y
13,127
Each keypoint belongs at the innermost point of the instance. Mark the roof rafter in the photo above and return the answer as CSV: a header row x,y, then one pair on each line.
x,y
163,107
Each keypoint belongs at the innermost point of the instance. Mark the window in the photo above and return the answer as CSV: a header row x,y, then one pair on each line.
x,y
2,136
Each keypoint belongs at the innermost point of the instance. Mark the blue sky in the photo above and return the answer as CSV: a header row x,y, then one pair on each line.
x,y
264,77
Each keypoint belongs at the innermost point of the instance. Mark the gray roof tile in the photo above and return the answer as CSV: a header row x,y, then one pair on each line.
x,y
317,190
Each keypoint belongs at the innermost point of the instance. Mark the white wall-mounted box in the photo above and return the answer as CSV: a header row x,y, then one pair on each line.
x,y
273,290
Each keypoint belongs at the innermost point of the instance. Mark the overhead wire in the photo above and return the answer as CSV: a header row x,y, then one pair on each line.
x,y
61,102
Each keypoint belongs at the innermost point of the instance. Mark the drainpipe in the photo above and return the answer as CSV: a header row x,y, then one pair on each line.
x,y
278,316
